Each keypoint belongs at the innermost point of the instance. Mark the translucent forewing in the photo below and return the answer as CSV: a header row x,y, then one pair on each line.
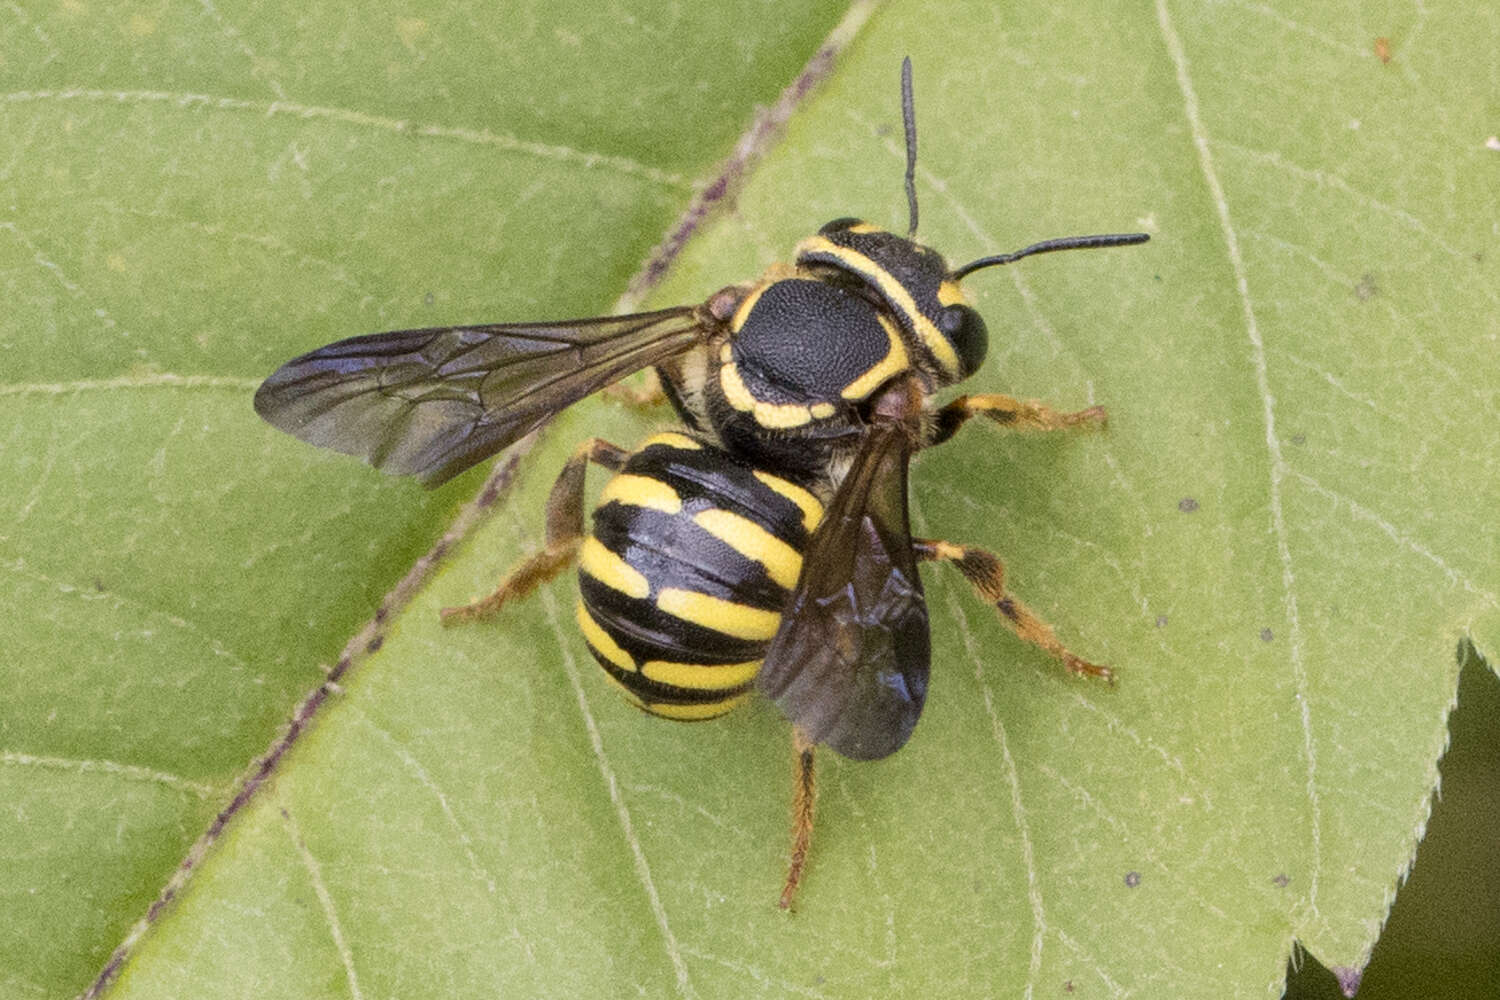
x,y
431,403
849,664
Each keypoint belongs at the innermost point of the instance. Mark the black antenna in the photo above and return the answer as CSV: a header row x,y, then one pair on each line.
x,y
909,119
1048,246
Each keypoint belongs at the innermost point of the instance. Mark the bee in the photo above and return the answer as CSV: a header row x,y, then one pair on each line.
x,y
766,542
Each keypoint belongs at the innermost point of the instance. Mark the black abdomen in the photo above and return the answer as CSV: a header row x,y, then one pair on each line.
x,y
692,558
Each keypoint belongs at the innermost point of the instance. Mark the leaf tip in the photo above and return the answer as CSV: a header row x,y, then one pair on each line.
x,y
1349,978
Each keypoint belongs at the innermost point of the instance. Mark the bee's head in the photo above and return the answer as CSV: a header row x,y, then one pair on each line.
x,y
914,281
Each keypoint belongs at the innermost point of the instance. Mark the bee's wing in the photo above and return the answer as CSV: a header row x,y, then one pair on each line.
x,y
431,403
849,664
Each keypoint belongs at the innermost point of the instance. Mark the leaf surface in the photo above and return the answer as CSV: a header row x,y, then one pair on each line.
x,y
1278,542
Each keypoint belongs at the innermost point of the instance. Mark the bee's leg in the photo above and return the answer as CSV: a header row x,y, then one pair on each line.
x,y
1027,414
803,800
564,533
645,393
987,575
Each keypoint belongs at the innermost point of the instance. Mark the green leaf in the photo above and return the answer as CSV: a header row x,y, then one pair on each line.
x,y
1279,541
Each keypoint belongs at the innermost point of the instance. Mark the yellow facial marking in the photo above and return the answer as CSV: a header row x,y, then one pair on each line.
x,y
893,292
671,439
950,293
612,571
600,640
738,620
641,491
812,509
696,713
865,227
782,562
724,677
822,411
894,363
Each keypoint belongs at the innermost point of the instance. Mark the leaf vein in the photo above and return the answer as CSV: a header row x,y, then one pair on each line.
x,y
258,65
1115,989
49,265
19,568
612,784
347,116
1324,179
409,761
263,241
1271,13
131,772
37,32
1362,513
1277,464
152,380
325,901
1018,808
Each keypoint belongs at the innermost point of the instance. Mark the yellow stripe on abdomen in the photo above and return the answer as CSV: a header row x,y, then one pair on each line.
x,y
782,562
696,677
641,491
612,571
601,641
812,509
738,620
695,712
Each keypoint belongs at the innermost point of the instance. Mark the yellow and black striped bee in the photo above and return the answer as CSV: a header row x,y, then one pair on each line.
x,y
766,543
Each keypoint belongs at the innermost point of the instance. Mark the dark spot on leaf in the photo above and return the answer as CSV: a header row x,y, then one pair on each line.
x,y
1283,880
429,299
1187,505
1161,621
1383,49
98,585
1132,879
1068,986
1298,439
375,644
1367,289
1266,635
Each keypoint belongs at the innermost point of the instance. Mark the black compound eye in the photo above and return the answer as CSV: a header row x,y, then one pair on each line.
x,y
970,338
838,225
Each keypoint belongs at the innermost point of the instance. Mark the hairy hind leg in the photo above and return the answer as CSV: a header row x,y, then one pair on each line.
x,y
803,801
